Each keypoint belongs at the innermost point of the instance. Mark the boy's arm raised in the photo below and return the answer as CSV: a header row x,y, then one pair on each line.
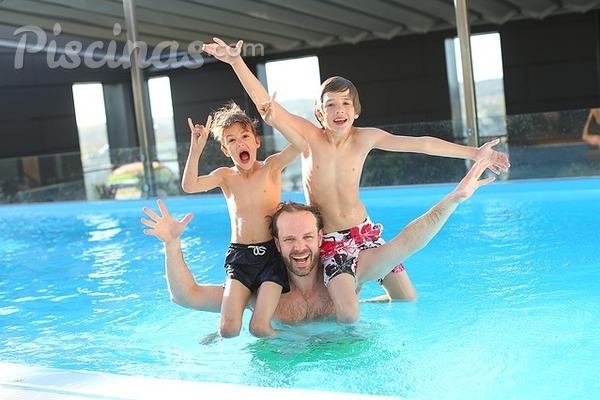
x,y
191,182
232,56
286,156
271,112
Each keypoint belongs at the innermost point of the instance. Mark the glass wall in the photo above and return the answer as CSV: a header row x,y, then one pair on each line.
x,y
540,146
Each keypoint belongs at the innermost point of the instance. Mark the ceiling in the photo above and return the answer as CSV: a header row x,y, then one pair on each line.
x,y
279,25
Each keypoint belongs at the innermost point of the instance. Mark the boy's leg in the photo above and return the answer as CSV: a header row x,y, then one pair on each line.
x,y
375,261
235,298
267,298
399,287
339,257
342,289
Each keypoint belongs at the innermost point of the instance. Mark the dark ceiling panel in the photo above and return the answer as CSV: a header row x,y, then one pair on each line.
x,y
278,25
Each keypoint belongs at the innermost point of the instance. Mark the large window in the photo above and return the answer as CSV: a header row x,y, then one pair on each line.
x,y
486,54
90,115
296,82
94,145
161,104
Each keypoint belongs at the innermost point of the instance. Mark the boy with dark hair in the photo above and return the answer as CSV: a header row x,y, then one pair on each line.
x,y
252,189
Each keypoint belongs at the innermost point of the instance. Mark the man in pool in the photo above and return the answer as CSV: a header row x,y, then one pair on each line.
x,y
298,230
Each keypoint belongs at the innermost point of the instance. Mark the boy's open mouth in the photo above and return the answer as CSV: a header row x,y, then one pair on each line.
x,y
244,156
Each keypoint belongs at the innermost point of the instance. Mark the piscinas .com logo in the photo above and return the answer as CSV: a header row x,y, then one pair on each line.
x,y
74,53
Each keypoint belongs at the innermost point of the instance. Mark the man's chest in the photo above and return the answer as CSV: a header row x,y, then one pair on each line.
x,y
296,308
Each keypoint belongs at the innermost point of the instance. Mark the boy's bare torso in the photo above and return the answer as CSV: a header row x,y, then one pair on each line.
x,y
252,198
332,170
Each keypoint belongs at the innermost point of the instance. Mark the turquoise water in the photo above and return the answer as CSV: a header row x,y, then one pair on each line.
x,y
509,299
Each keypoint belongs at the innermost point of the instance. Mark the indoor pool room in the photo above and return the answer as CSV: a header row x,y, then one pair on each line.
x,y
220,108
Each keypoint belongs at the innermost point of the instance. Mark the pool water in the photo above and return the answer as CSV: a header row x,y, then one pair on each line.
x,y
509,299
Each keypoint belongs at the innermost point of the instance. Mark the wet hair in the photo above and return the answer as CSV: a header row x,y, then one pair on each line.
x,y
293,207
338,84
227,116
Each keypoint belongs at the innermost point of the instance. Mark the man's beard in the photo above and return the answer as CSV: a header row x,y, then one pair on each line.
x,y
303,271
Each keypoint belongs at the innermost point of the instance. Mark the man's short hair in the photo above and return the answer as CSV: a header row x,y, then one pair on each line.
x,y
292,207
227,116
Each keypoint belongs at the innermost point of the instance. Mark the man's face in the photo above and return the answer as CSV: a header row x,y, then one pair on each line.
x,y
298,241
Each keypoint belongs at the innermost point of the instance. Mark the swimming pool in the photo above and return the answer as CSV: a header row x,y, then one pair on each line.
x,y
509,299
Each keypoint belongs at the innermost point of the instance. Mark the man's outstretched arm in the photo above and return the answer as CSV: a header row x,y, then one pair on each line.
x,y
375,263
183,288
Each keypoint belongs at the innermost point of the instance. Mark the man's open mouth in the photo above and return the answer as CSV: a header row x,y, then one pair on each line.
x,y
301,259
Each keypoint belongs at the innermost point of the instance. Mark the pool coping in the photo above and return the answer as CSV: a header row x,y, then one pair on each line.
x,y
18,381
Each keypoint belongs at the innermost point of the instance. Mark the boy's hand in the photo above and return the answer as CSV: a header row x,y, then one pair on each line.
x,y
199,134
471,182
265,109
222,51
498,161
164,227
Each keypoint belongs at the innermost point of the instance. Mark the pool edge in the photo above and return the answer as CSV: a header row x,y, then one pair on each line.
x,y
36,382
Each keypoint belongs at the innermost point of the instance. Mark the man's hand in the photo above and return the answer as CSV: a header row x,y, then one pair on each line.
x,y
222,51
164,226
467,186
499,161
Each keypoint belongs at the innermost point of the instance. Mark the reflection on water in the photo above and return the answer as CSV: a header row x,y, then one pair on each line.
x,y
318,343
101,227
304,354
108,261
